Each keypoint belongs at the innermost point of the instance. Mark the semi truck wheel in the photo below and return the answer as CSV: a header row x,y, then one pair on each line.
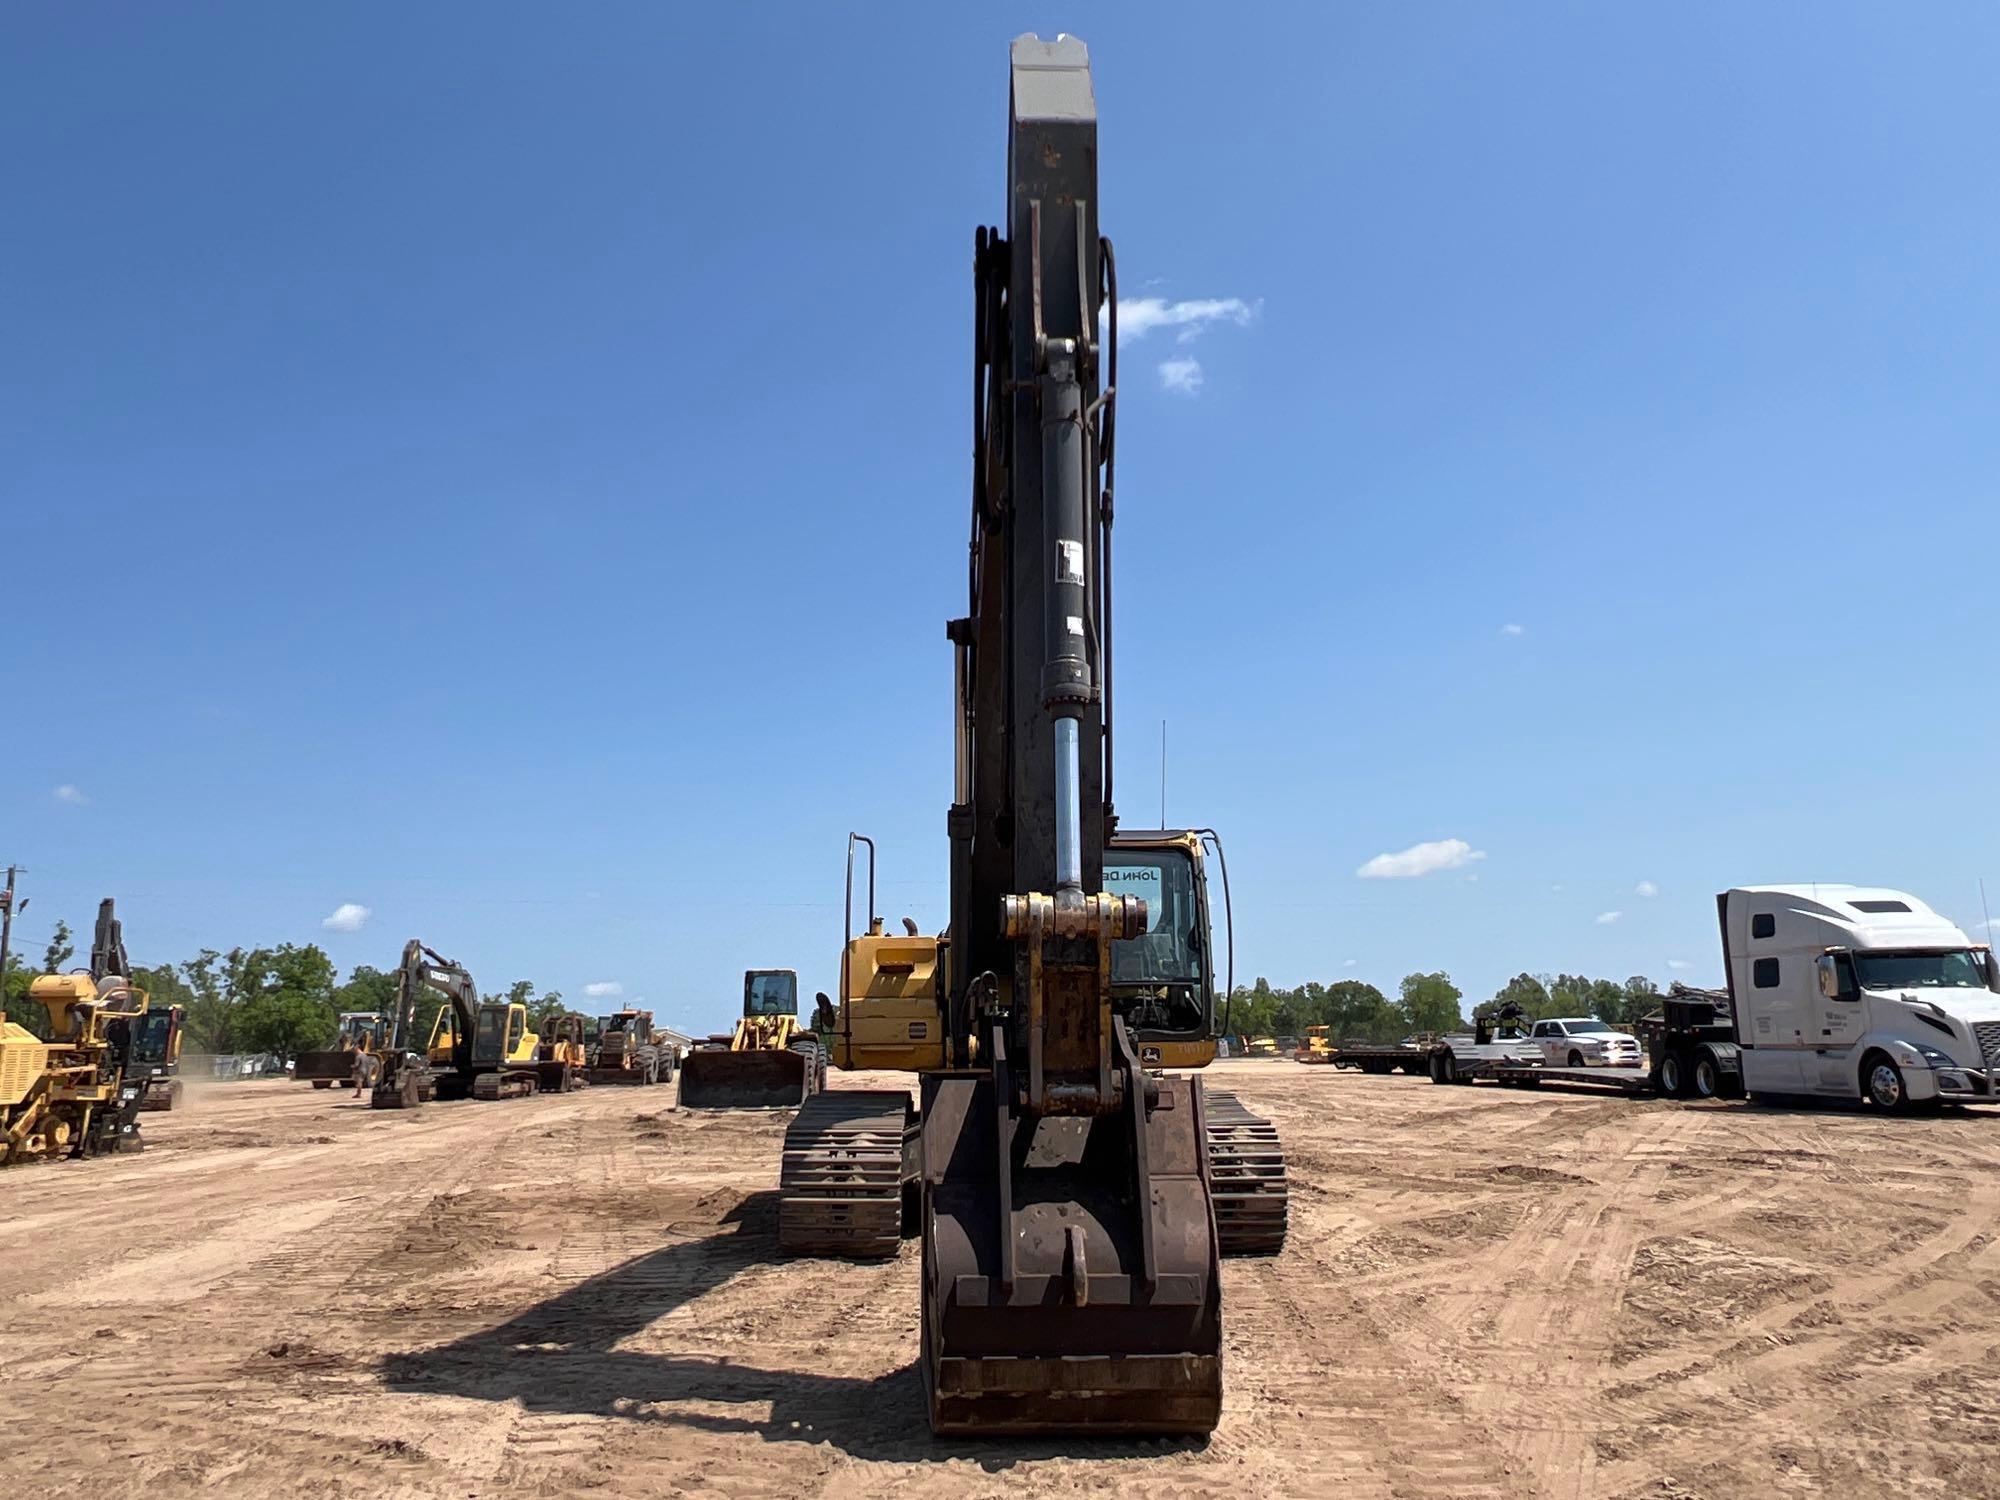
x,y
1438,1068
1673,1076
1882,1084
1707,1075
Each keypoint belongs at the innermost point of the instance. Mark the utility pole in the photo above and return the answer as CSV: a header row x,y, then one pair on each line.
x,y
7,928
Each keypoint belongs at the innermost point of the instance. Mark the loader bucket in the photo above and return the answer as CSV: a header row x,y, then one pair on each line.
x,y
714,1079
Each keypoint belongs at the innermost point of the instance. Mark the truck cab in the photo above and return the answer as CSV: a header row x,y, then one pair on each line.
x,y
1859,992
1585,1042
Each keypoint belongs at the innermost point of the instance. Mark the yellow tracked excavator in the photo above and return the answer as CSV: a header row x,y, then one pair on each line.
x,y
1074,1193
477,1049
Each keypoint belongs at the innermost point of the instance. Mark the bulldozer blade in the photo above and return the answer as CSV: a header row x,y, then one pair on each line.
x,y
1070,1278
714,1079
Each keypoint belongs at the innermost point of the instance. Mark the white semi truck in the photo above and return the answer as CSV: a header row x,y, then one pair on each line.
x,y
1861,993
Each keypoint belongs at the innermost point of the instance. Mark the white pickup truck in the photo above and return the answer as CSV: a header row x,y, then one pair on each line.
x,y
1585,1042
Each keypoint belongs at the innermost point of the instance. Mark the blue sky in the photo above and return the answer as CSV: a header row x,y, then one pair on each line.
x,y
504,467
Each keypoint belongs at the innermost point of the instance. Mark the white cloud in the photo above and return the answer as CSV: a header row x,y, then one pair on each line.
x,y
1139,316
1420,859
1472,879
1350,963
1679,963
1182,375
1513,629
71,795
1647,889
349,916
1557,888
1606,918
602,988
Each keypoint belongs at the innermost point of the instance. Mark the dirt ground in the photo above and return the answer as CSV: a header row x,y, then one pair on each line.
x,y
1486,1292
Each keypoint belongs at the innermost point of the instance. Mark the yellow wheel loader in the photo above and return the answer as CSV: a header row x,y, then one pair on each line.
x,y
361,1034
768,1062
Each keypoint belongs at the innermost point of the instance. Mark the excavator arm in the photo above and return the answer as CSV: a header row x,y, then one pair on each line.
x,y
1071,1280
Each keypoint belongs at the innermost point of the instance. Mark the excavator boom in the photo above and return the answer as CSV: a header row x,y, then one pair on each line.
x,y
1071,1280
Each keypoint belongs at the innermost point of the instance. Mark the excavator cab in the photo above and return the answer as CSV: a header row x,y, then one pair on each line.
x,y
1163,980
443,1044
153,1056
500,1036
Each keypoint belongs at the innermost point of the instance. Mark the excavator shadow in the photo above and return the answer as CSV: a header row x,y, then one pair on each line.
x,y
561,1356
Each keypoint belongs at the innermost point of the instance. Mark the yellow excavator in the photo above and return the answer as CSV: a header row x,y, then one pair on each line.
x,y
80,1092
476,1050
768,1062
1074,1191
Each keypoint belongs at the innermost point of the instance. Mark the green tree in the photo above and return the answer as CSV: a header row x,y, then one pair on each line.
x,y
14,997
1642,998
163,987
1430,1002
60,950
1356,1011
367,989
1524,990
283,1021
213,979
548,1005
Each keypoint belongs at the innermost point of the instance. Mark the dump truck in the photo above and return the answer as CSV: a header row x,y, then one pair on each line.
x,y
768,1062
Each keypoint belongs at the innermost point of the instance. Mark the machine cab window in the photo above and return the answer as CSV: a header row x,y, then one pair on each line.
x,y
1163,972
490,1032
771,992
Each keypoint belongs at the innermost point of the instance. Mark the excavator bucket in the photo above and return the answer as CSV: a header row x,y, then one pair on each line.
x,y
714,1078
1071,1282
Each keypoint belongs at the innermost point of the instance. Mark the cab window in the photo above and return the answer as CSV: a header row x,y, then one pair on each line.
x,y
771,995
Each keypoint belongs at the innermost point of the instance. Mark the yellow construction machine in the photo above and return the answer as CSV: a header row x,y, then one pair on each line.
x,y
79,1093
768,1062
1074,1192
623,1049
477,1049
361,1034
561,1061
1317,1047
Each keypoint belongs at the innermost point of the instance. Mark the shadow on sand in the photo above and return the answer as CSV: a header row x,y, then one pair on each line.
x,y
560,1356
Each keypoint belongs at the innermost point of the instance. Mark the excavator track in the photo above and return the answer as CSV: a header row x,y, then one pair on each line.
x,y
850,1160
512,1085
1246,1169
